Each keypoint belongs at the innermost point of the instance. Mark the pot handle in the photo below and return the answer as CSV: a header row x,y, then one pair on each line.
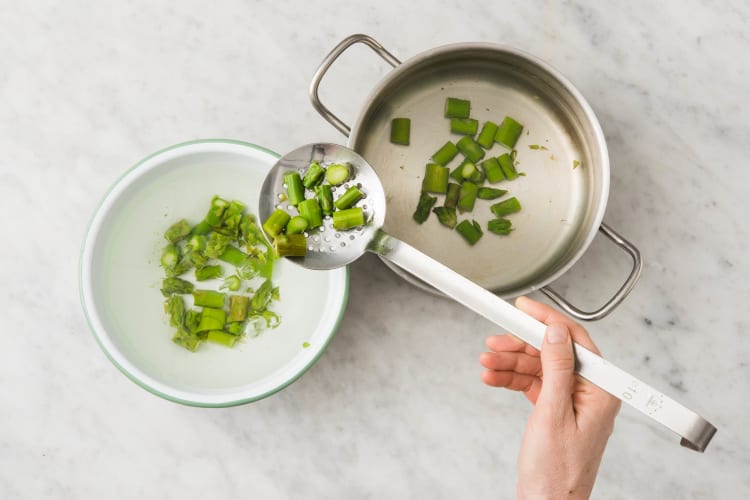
x,y
329,59
621,293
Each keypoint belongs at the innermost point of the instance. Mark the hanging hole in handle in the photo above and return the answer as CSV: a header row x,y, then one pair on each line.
x,y
349,88
593,269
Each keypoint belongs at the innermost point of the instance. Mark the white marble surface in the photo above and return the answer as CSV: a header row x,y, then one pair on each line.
x,y
394,408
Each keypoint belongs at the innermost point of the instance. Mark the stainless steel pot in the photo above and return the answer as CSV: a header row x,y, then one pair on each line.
x,y
563,205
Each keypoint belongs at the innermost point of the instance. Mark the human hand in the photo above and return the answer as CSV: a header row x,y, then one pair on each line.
x,y
567,432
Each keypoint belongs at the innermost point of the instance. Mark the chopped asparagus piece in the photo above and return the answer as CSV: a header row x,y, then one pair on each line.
x,y
175,307
238,305
235,208
192,320
508,132
313,176
486,193
202,228
468,170
250,233
262,297
216,245
291,245
197,259
325,198
295,191
208,272
175,285
230,223
464,126
424,205
186,339
435,178
499,226
471,231
451,197
221,337
208,298
457,108
196,243
177,231
296,225
216,212
236,328
446,216
506,207
276,222
470,149
400,131
349,218
338,173
170,256
233,255
467,197
212,319
493,170
310,210
456,173
445,154
487,136
349,198
184,265
506,163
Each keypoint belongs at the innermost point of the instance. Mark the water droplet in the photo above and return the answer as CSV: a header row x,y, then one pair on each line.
x,y
311,248
333,248
343,244
364,207
316,238
284,186
359,185
337,235
351,237
327,238
305,233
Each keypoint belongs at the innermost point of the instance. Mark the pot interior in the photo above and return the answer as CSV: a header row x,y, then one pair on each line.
x,y
561,153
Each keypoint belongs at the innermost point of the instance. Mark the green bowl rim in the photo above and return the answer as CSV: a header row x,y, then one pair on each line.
x,y
135,379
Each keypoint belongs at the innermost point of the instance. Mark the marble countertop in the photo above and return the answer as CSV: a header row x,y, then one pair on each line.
x,y
395,407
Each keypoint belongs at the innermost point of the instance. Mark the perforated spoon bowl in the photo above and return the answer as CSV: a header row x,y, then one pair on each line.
x,y
329,249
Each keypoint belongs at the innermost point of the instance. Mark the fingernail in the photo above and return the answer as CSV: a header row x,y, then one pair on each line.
x,y
557,334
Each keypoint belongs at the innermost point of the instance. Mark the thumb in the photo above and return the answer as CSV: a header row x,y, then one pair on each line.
x,y
557,370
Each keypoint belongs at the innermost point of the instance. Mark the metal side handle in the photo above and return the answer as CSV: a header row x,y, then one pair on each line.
x,y
326,64
618,297
695,431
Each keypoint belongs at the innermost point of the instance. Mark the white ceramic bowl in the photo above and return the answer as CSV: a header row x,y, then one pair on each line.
x,y
120,279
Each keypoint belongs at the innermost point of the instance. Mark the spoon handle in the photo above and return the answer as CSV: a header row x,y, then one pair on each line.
x,y
695,431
